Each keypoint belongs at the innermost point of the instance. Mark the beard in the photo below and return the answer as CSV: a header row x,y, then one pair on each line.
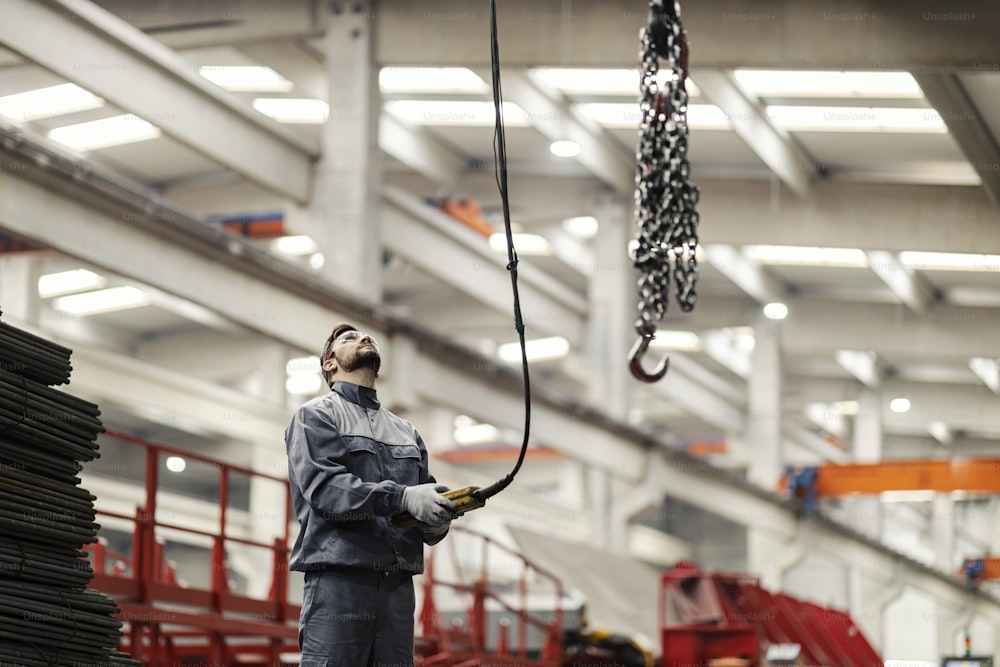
x,y
366,358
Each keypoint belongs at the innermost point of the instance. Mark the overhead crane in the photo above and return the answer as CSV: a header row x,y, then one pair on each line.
x,y
810,483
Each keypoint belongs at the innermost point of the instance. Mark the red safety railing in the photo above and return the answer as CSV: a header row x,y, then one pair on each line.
x,y
171,623
466,641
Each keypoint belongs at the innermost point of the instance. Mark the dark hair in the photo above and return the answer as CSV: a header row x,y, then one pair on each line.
x,y
328,346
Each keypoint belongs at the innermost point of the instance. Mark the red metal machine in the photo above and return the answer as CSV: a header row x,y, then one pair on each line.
x,y
716,619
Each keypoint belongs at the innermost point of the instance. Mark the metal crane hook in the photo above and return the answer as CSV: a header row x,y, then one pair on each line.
x,y
635,362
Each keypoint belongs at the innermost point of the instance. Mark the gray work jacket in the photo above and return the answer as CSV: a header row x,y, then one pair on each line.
x,y
348,461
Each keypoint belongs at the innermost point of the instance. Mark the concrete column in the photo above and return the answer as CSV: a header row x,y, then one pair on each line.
x,y
768,557
267,497
943,532
868,599
344,208
612,295
19,275
763,431
599,486
867,447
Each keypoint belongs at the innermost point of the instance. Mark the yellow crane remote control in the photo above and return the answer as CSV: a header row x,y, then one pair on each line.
x,y
464,501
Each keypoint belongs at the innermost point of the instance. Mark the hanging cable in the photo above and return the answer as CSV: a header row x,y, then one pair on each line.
x,y
469,498
500,166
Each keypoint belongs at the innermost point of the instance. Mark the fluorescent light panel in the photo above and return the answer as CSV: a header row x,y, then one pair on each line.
x,y
303,383
802,83
950,261
105,133
583,226
564,148
626,115
856,119
102,301
624,81
430,80
680,341
524,244
539,349
68,282
294,245
807,256
301,111
455,113
44,103
246,78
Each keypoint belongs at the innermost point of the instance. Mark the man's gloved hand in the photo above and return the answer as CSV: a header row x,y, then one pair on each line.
x,y
427,505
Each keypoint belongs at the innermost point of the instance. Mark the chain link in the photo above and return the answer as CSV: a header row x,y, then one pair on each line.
x,y
665,199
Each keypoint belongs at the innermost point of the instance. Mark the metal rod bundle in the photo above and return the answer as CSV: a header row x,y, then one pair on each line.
x,y
47,615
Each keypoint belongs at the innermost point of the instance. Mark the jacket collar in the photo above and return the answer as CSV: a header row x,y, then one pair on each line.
x,y
366,397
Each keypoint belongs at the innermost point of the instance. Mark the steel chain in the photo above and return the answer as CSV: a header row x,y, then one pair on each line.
x,y
665,199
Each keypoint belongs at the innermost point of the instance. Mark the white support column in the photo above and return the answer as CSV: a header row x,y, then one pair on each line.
x,y
612,296
19,287
344,203
868,601
868,449
608,328
763,432
267,497
600,497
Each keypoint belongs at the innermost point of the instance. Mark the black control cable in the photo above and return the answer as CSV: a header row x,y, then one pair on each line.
x,y
500,167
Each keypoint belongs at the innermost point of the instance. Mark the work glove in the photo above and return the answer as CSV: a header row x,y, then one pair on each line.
x,y
427,505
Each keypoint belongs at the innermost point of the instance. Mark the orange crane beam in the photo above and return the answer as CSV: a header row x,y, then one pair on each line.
x,y
945,475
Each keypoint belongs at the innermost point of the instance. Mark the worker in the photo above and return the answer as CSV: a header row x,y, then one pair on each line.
x,y
352,464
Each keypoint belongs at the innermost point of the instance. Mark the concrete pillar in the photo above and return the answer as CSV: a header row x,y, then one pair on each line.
x,y
763,431
612,295
267,497
868,599
769,556
867,448
344,207
19,275
943,532
599,485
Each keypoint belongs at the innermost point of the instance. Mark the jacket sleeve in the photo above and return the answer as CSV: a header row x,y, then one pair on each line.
x,y
430,538
317,457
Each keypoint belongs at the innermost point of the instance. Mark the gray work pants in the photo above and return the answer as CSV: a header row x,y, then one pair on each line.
x,y
357,618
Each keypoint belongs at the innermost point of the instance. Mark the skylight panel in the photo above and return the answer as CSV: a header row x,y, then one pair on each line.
x,y
430,80
47,102
802,83
105,133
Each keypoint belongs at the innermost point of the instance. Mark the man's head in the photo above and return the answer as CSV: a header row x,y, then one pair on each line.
x,y
348,350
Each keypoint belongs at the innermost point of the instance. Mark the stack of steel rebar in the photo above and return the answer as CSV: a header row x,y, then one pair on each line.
x,y
48,617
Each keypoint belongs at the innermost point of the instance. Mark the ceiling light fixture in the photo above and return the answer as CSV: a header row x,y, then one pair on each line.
x,y
297,111
583,226
679,341
807,83
430,80
246,78
899,405
950,261
294,245
856,119
44,103
620,115
175,464
105,133
69,282
775,311
455,113
539,349
524,243
564,148
102,301
807,256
